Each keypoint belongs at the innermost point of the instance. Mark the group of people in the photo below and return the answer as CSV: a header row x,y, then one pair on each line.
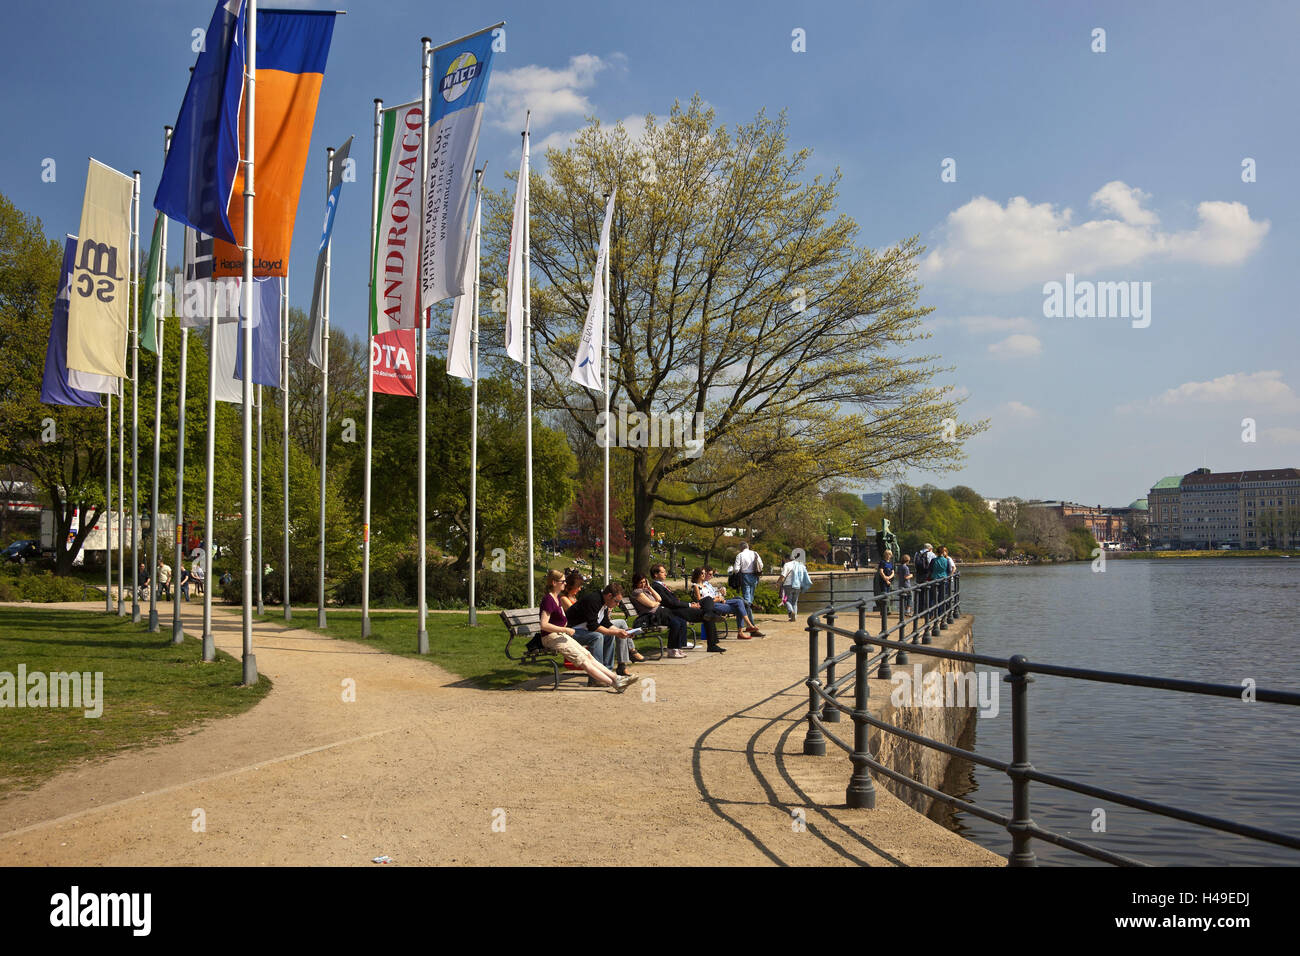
x,y
188,577
928,565
582,628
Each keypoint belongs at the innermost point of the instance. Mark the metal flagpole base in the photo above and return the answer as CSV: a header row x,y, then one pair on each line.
x,y
365,626
422,643
320,619
261,608
178,634
209,649
250,670
153,620
473,617
288,613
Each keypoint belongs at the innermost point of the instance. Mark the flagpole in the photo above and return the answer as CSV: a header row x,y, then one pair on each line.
x,y
246,331
209,646
108,509
157,411
370,382
178,631
261,607
324,398
605,279
121,497
473,427
422,635
284,434
135,398
528,369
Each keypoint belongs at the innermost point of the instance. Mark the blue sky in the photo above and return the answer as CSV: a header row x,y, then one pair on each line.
x,y
1117,166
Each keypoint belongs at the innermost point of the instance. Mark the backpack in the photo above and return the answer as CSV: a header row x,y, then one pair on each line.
x,y
923,561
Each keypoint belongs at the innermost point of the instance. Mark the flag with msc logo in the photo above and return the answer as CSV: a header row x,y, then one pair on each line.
x,y
203,182
460,77
98,308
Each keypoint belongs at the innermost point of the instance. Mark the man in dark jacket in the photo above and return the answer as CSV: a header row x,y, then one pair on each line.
x,y
698,611
589,617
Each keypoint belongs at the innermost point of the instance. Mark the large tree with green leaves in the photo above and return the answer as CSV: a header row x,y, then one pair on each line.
x,y
740,299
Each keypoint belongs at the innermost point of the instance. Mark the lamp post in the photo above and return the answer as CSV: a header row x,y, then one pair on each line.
x,y
854,545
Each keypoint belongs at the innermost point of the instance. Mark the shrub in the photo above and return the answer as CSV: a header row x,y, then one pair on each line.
x,y
767,599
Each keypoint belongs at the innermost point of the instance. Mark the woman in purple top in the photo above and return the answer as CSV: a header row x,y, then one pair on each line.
x,y
558,636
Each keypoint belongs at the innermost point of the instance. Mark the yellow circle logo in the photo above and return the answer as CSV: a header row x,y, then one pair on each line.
x,y
462,71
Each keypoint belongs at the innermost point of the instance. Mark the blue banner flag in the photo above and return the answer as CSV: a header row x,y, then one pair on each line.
x,y
266,334
55,389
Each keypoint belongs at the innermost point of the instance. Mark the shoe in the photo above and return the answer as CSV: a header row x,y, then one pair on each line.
x,y
620,684
742,636
715,649
637,657
676,653
791,618
755,632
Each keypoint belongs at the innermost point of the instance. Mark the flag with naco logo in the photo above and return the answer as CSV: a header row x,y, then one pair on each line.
x,y
98,308
395,271
586,364
460,80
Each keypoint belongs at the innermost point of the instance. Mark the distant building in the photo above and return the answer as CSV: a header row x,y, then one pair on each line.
x,y
1107,525
873,499
1240,509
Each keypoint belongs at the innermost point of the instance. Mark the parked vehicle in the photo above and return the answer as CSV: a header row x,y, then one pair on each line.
x,y
20,552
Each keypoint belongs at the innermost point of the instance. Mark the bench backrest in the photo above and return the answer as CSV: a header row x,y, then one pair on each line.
x,y
522,621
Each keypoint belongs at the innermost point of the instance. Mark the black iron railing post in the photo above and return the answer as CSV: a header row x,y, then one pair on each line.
x,y
931,610
883,671
1022,853
956,595
830,713
861,794
901,637
814,741
914,609
943,604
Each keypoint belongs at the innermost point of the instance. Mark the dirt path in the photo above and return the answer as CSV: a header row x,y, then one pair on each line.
x,y
699,764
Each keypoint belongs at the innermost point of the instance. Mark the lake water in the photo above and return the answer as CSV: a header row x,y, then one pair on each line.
x,y
1219,620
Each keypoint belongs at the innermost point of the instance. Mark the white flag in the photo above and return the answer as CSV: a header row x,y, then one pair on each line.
x,y
516,281
459,361
586,364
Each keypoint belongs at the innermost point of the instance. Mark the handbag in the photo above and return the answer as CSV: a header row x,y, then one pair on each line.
x,y
734,581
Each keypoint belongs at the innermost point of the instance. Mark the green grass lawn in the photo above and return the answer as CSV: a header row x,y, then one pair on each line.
x,y
475,654
151,689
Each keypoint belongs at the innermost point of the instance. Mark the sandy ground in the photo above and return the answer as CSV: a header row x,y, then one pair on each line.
x,y
700,763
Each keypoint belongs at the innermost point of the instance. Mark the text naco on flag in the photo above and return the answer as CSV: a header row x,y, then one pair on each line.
x,y
202,183
395,271
460,77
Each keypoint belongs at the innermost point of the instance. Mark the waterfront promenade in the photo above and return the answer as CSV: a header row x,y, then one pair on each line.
x,y
427,771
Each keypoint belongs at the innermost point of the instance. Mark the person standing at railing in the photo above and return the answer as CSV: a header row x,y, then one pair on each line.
x,y
905,579
794,578
941,570
883,582
924,558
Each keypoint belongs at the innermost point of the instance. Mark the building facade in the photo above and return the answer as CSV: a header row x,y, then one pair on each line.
x,y
1235,509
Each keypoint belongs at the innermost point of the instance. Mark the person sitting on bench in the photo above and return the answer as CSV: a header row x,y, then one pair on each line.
x,y
596,631
651,611
702,611
557,635
702,586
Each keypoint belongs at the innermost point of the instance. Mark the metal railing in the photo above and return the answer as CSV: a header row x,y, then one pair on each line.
x,y
928,609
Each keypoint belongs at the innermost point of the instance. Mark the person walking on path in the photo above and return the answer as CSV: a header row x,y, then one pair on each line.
x,y
700,611
749,566
557,635
794,579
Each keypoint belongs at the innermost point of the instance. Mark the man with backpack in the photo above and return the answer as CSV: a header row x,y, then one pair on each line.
x,y
924,558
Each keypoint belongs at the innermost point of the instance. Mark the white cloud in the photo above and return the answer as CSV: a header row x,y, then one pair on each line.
x,y
988,245
1019,411
994,325
1264,389
1017,346
551,94
634,124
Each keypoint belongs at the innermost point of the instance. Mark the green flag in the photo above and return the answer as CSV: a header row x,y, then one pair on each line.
x,y
151,289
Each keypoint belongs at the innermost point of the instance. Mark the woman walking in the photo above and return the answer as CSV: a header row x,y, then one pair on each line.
x,y
794,579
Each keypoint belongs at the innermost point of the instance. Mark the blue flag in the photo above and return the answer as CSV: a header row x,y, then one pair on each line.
x,y
198,175
266,334
55,389
315,353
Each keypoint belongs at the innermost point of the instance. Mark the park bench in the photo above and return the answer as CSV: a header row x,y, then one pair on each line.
x,y
524,624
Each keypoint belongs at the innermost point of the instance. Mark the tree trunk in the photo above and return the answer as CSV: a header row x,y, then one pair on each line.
x,y
643,515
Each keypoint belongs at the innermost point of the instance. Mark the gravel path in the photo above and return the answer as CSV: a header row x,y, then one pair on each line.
x,y
700,763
